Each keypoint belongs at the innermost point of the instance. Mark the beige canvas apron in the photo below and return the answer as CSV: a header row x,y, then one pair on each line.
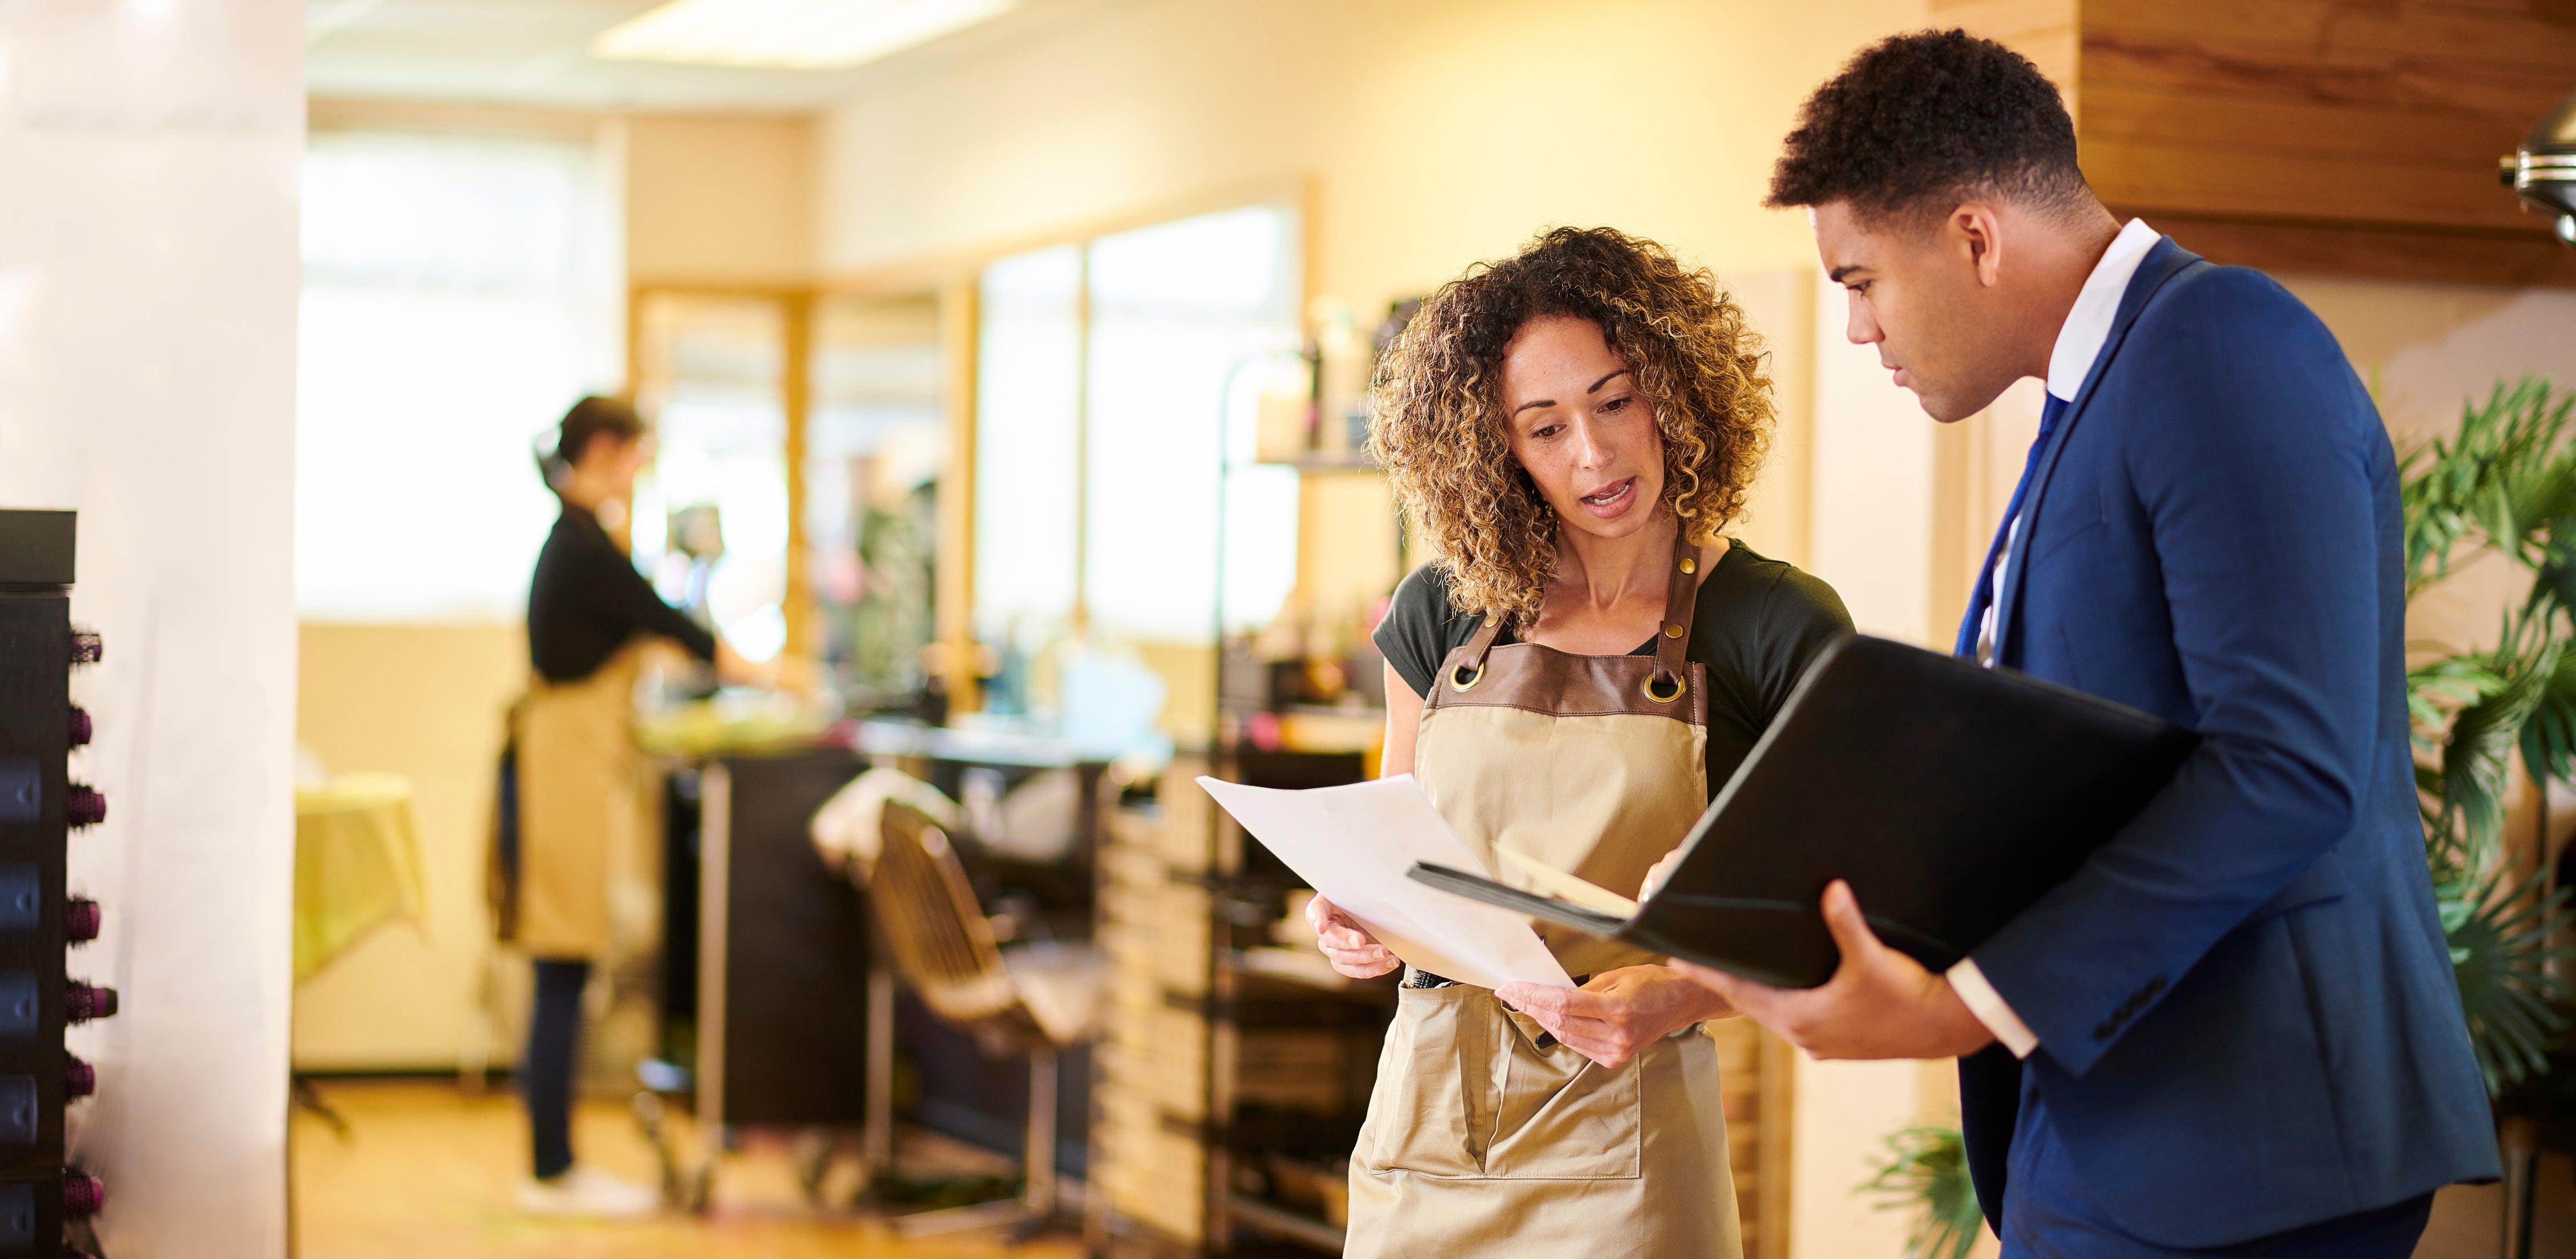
x,y
577,758
1479,1141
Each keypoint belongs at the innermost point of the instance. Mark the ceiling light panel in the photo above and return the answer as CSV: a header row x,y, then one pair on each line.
x,y
790,34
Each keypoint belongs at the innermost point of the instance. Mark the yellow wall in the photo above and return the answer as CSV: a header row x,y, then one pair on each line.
x,y
1780,305
718,199
424,701
1439,131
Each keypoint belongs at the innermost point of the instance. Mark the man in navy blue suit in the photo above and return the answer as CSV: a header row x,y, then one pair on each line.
x,y
2235,1030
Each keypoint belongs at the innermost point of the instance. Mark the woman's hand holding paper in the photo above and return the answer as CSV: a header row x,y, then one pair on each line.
x,y
1619,1013
1347,944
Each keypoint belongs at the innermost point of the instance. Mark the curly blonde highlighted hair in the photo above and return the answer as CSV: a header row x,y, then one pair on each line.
x,y
1442,435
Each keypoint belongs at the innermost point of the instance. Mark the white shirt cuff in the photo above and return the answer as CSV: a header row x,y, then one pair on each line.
x,y
1988,1005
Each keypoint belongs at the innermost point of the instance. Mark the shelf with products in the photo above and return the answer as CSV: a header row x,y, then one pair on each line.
x,y
1272,952
1289,965
1296,1046
1155,923
1279,698
1322,423
1233,1061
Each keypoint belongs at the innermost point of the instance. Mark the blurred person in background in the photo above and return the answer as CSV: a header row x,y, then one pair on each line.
x,y
1571,430
590,617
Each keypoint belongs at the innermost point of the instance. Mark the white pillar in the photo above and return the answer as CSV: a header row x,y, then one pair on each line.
x,y
148,282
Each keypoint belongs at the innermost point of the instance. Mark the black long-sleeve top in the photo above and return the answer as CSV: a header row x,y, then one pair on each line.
x,y
587,601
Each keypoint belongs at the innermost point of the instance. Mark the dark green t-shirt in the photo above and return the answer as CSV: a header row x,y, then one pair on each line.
x,y
1759,623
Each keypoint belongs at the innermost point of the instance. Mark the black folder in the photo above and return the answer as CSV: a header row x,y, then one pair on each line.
x,y
1951,797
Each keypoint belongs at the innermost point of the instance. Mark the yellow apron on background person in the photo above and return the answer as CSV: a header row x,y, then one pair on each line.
x,y
1479,1142
576,766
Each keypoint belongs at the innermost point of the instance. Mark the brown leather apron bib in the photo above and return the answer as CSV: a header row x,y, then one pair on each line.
x,y
1479,1141
576,748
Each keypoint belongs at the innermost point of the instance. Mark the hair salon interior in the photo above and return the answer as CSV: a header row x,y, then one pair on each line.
x,y
999,380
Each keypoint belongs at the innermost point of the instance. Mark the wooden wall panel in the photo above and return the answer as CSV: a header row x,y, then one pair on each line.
x,y
2045,31
2376,123
2284,183
2322,108
2440,255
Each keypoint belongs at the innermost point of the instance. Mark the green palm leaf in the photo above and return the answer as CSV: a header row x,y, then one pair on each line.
x,y
2549,731
2503,482
1927,1172
2495,484
2476,751
2499,931
2438,688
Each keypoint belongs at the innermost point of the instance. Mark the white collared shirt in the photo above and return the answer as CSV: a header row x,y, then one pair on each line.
x,y
2079,342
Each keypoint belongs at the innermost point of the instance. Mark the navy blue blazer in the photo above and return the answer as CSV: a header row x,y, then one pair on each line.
x,y
2246,1015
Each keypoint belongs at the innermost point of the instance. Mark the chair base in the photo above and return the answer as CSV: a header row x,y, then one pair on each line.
x,y
1035,1210
1017,1217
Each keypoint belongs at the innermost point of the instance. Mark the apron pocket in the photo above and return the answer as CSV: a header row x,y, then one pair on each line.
x,y
1434,1084
1561,1115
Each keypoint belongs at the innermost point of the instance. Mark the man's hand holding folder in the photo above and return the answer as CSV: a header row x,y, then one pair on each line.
x,y
1879,1004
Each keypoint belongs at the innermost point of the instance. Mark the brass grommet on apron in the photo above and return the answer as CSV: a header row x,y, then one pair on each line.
x,y
1484,1139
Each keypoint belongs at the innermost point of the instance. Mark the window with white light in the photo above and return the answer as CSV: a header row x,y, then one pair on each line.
x,y
460,291
1028,446
1188,319
1120,515
711,373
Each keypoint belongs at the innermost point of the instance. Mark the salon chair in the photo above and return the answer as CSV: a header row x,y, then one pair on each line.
x,y
1037,999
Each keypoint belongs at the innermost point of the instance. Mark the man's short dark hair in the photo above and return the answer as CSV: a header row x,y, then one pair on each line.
x,y
1916,123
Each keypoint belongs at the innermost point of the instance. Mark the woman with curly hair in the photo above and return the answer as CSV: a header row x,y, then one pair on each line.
x,y
1571,429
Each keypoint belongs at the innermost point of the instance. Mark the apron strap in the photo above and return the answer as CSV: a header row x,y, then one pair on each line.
x,y
1482,641
1672,641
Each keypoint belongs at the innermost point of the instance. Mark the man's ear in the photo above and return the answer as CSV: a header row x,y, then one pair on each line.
x,y
1978,231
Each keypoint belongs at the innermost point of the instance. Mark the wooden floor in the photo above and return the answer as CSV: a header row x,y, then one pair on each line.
x,y
428,1172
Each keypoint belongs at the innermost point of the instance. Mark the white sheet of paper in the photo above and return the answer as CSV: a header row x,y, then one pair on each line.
x,y
1353,845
